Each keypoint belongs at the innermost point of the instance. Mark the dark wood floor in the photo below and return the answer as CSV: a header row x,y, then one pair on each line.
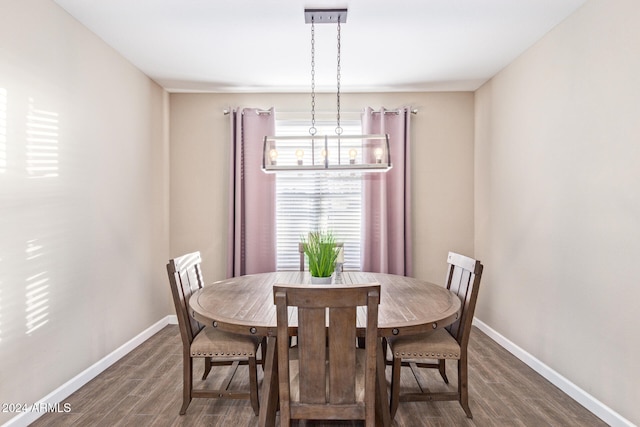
x,y
145,389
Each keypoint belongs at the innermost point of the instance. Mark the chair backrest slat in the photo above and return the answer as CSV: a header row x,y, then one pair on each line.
x,y
312,354
185,277
463,279
342,336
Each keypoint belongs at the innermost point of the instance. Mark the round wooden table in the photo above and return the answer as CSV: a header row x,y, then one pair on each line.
x,y
245,305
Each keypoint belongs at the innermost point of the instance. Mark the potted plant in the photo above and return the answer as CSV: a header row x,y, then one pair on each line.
x,y
321,251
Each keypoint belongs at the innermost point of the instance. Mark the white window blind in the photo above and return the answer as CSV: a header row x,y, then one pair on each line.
x,y
309,201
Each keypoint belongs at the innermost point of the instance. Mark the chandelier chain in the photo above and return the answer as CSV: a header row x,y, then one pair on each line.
x,y
338,127
312,129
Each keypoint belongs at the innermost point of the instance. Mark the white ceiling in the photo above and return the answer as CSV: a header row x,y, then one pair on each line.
x,y
264,46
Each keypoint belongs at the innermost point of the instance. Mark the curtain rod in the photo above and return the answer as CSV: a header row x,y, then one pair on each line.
x,y
227,111
413,111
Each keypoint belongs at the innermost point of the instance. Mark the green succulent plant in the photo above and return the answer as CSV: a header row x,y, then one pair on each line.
x,y
321,252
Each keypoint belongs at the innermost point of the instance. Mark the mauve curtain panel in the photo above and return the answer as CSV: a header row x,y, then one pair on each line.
x,y
386,198
251,246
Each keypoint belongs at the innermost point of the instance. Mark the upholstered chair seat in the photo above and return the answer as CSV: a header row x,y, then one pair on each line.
x,y
212,342
438,344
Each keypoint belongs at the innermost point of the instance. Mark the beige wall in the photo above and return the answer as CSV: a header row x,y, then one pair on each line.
x,y
442,146
557,219
87,246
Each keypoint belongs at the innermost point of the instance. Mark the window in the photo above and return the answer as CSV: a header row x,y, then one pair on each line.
x,y
320,200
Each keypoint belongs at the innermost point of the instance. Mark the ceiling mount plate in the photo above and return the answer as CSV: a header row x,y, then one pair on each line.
x,y
325,16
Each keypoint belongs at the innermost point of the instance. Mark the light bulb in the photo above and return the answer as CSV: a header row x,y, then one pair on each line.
x,y
378,154
299,155
352,155
324,153
273,154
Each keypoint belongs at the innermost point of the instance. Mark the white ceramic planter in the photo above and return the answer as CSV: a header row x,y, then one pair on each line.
x,y
321,280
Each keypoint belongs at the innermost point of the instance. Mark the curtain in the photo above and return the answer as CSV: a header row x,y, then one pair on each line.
x,y
386,198
251,245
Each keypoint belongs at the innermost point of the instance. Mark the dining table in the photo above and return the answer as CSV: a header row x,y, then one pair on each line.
x,y
245,305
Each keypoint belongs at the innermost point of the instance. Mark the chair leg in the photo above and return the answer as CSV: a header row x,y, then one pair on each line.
x,y
263,352
395,385
253,385
443,370
207,368
463,391
384,349
187,372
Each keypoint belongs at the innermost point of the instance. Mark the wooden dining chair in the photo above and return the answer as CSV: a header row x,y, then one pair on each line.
x,y
463,278
216,347
326,377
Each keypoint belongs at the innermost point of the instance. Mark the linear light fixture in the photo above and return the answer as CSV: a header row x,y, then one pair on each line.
x,y
364,153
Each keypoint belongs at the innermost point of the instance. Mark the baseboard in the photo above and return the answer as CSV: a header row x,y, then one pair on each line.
x,y
54,398
592,404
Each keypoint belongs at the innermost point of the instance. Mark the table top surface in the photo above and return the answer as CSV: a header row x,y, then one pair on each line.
x,y
245,304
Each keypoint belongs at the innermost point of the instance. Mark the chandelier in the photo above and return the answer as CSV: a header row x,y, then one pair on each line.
x,y
313,152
